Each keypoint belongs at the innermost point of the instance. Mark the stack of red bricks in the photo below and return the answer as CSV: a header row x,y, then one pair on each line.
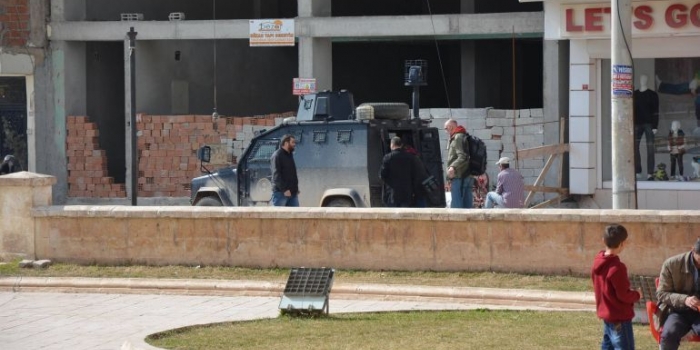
x,y
167,150
87,163
14,16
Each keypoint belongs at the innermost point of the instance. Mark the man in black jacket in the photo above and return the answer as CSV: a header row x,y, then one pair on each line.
x,y
399,173
285,188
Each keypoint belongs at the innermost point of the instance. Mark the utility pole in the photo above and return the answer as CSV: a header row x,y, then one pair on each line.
x,y
131,125
622,87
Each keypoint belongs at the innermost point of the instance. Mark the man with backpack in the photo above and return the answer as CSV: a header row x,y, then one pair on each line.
x,y
459,179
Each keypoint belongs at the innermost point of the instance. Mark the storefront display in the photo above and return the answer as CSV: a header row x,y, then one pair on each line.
x,y
665,68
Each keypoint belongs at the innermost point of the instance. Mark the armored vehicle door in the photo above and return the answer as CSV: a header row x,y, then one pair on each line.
x,y
430,153
256,175
418,139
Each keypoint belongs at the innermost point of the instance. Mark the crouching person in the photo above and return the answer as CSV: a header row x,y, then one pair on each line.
x,y
678,290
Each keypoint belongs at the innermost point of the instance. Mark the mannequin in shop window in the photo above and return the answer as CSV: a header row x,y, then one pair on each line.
x,y
676,147
692,88
646,122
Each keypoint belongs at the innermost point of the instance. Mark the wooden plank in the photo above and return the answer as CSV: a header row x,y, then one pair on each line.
x,y
542,151
548,202
547,189
540,177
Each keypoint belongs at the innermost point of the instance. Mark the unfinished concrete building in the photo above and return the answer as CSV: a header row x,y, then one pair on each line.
x,y
194,56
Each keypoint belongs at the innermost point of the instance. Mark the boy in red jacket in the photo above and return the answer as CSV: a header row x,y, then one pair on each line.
x,y
614,299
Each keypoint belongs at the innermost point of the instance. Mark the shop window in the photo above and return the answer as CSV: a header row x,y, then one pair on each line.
x,y
675,146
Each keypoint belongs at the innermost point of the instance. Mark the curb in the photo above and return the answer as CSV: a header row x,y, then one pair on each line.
x,y
522,297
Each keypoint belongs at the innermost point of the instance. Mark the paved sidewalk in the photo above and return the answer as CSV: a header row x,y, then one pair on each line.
x,y
51,320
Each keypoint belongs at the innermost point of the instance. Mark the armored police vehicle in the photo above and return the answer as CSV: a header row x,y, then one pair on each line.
x,y
339,151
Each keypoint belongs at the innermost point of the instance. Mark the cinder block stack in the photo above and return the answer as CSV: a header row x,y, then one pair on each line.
x,y
87,163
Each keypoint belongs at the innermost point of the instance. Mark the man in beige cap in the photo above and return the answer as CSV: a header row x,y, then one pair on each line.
x,y
510,189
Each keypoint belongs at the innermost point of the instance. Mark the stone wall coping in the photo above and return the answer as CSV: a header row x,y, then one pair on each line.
x,y
25,178
433,214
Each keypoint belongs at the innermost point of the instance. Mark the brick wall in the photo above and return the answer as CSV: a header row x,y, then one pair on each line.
x,y
14,20
87,163
167,148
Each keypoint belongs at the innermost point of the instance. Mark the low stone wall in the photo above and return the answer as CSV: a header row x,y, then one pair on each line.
x,y
550,241
19,193
557,241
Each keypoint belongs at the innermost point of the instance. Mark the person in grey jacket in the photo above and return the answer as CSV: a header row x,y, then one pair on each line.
x,y
679,297
459,181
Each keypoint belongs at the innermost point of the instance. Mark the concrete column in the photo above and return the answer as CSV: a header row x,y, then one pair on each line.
x,y
315,54
314,8
468,72
19,193
556,102
67,10
315,61
468,64
65,78
37,22
127,114
582,119
31,124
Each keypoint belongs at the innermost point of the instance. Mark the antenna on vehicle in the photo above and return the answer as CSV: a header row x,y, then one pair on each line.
x,y
416,75
215,114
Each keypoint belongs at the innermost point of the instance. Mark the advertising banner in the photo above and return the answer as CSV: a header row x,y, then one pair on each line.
x,y
271,32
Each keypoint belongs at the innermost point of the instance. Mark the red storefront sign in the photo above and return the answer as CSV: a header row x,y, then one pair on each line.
x,y
652,17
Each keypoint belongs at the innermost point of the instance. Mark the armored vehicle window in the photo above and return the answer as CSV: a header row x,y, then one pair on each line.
x,y
264,150
308,104
344,136
320,136
321,108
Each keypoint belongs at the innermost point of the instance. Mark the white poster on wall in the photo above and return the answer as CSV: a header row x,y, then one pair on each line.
x,y
271,32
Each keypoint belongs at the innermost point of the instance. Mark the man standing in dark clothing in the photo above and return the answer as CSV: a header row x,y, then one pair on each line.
x,y
285,188
398,172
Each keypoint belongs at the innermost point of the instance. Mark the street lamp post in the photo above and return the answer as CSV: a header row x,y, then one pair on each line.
x,y
132,118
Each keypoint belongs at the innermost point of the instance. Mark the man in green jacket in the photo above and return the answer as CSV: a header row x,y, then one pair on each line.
x,y
458,178
678,294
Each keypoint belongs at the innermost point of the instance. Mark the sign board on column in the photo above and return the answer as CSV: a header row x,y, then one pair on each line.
x,y
304,86
622,81
271,32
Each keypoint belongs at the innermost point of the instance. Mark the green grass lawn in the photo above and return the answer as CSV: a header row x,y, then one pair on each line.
x,y
479,329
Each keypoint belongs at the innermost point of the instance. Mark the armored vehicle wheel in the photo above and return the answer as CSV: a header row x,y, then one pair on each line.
x,y
209,202
389,110
340,202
